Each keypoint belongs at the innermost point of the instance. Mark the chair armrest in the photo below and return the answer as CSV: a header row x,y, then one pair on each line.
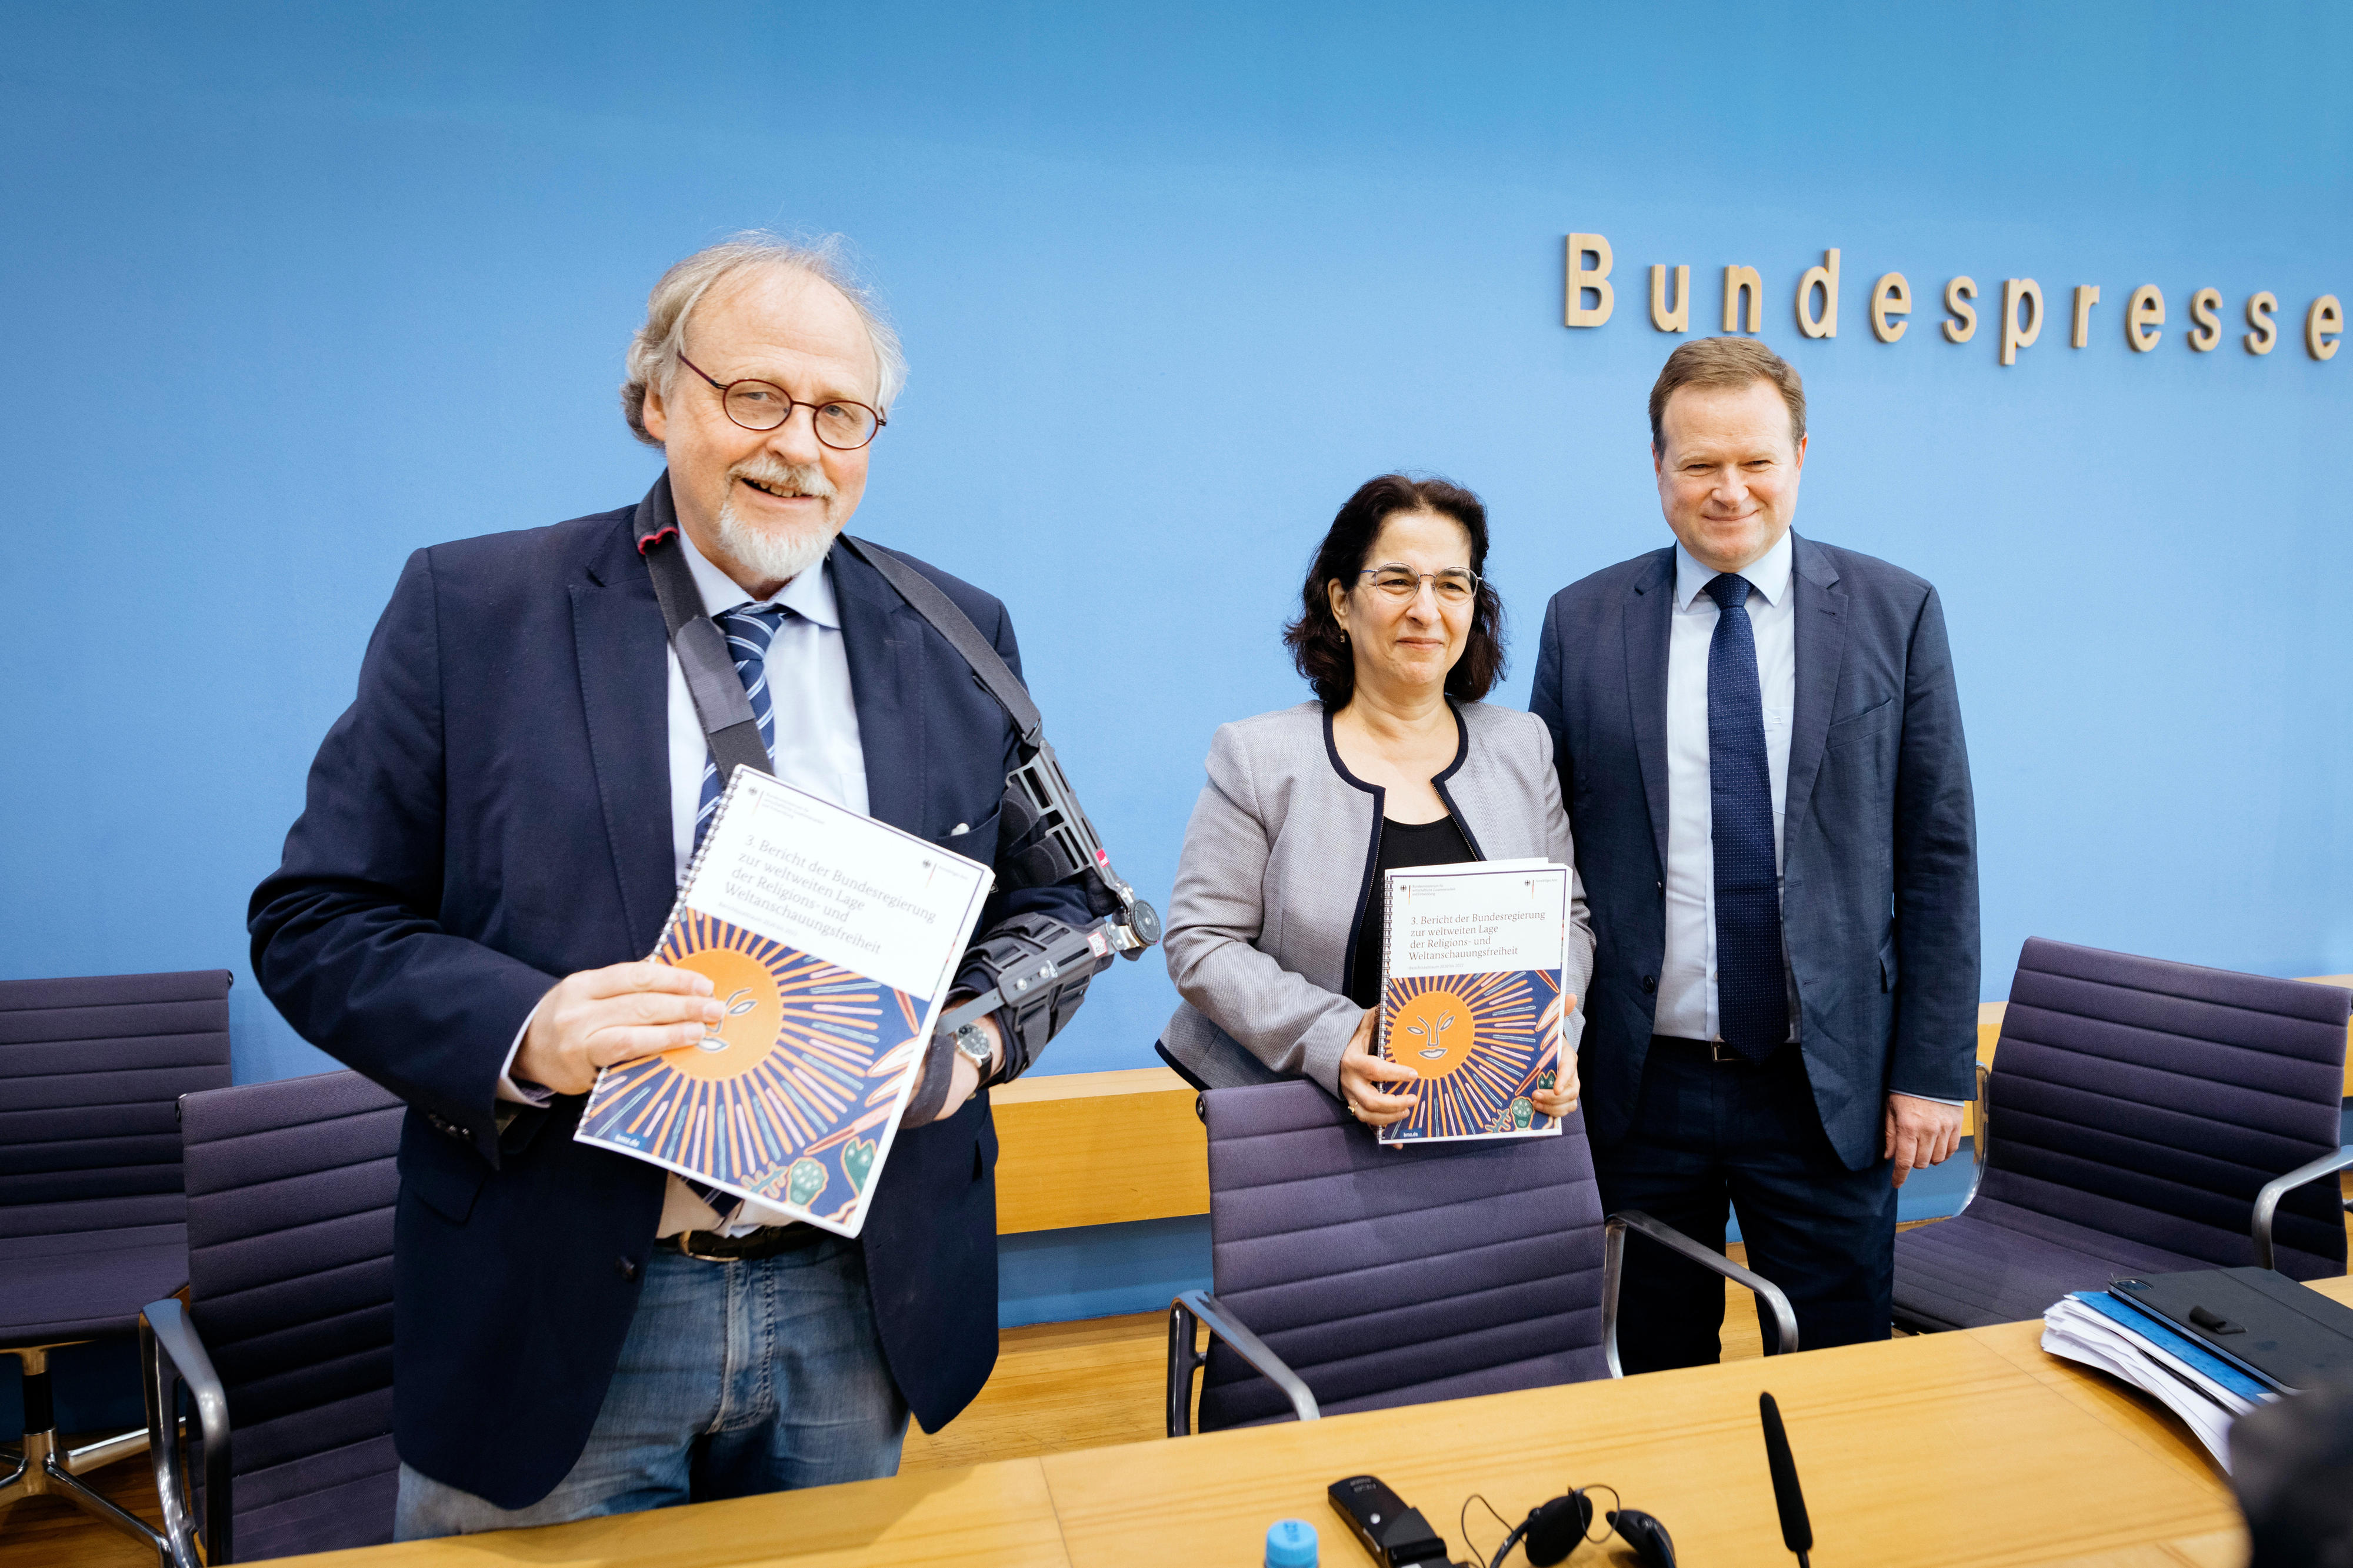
x,y
172,1353
1980,1146
2267,1201
1199,1306
1613,1269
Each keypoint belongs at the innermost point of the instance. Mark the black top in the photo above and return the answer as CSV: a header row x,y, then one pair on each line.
x,y
1403,843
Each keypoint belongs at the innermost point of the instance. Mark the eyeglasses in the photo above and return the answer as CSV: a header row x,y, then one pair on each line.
x,y
1454,588
763,405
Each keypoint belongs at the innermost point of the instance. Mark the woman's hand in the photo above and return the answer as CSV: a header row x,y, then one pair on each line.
x,y
1561,1099
1362,1073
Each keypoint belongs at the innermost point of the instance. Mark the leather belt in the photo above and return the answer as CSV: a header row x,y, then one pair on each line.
x,y
768,1241
1718,1052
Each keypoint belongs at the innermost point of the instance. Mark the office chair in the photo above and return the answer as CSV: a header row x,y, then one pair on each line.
x,y
1474,1267
285,1343
2140,1116
92,1220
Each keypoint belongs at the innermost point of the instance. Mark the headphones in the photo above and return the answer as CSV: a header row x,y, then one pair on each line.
x,y
1553,1529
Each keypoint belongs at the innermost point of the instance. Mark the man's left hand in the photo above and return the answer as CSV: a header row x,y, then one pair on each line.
x,y
1920,1133
963,1079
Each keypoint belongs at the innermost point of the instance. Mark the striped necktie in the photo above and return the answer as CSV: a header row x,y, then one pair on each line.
x,y
750,628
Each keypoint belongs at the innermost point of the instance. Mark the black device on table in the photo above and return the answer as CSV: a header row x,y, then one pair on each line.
x,y
2286,1335
1398,1537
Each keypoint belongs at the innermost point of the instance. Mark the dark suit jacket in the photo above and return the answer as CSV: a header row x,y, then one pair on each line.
x,y
1879,841
492,814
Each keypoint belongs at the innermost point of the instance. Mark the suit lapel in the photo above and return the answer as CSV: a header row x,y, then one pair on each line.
x,y
1821,628
620,648
1649,606
885,644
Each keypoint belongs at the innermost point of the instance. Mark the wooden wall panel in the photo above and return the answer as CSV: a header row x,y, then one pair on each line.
x,y
1098,1148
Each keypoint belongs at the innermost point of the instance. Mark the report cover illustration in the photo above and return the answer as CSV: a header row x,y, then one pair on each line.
x,y
1471,996
830,940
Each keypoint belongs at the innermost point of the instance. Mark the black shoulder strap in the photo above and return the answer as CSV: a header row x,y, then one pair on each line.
x,y
924,597
711,680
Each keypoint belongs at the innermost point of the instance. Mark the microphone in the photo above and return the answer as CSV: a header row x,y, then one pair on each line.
x,y
1797,1530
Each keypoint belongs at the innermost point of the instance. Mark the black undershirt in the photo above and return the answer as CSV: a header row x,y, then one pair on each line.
x,y
1403,843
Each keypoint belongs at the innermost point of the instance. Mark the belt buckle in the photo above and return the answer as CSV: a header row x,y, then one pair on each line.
x,y
1717,1052
686,1247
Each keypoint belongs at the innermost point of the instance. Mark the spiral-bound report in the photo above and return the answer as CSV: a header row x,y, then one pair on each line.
x,y
1474,956
831,941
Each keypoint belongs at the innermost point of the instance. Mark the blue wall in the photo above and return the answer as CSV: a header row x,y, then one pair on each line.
x,y
293,291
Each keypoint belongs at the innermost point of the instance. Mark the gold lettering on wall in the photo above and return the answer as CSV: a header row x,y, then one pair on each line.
x,y
2261,305
2206,310
2321,325
1584,280
2142,316
2086,295
1824,277
2017,333
1964,324
1737,279
1679,318
1890,296
1591,300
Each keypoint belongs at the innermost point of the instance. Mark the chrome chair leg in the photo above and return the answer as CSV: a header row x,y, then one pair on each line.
x,y
46,1470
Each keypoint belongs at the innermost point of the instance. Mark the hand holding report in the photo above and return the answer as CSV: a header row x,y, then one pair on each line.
x,y
831,941
1473,957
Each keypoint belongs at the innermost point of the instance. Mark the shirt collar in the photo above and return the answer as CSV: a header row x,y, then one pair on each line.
x,y
1769,574
809,595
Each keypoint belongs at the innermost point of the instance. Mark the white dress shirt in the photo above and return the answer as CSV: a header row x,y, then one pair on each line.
x,y
1687,1008
817,749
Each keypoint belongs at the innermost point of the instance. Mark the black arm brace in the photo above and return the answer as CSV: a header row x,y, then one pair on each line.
x,y
1037,967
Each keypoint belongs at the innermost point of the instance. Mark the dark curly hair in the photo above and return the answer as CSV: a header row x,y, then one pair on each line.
x,y
1318,650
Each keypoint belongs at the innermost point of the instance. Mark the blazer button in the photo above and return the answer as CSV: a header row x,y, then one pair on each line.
x,y
627,1269
1649,985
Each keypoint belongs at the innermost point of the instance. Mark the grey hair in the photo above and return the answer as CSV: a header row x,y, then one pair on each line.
x,y
653,352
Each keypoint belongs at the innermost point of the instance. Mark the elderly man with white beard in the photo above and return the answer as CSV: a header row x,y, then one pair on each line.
x,y
493,835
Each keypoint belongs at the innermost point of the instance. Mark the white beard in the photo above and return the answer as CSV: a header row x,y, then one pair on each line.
x,y
776,552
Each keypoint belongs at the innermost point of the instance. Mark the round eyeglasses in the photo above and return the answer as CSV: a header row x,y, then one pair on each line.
x,y
1454,588
763,405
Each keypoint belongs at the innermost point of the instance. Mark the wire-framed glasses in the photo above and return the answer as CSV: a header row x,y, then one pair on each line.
x,y
1453,587
763,405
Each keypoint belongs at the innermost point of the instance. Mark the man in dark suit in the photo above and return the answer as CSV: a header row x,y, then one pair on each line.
x,y
493,837
1760,749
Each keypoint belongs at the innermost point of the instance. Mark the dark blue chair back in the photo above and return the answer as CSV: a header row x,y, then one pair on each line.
x,y
290,1192
92,1218
2136,1109
1387,1277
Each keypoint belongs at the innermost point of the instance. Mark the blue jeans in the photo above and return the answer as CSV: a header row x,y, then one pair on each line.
x,y
737,1378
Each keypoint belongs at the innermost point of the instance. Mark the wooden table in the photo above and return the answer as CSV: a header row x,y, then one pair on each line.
x,y
1965,1448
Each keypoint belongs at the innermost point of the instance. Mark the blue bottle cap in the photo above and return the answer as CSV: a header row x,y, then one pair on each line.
x,y
1291,1543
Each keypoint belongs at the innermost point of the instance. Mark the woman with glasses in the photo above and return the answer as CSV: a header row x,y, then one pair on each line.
x,y
1274,934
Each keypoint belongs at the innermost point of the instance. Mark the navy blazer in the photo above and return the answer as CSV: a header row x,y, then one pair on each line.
x,y
492,814
1879,839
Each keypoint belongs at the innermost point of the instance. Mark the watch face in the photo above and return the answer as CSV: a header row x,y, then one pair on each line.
x,y
972,1044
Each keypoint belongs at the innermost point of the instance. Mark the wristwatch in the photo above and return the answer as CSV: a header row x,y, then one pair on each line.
x,y
972,1040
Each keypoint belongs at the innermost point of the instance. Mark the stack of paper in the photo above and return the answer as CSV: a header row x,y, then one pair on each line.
x,y
2206,1391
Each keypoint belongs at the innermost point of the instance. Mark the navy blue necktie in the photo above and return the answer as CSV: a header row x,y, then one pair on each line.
x,y
1752,999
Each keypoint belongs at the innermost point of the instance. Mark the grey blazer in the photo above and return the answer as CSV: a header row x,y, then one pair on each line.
x,y
1278,863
